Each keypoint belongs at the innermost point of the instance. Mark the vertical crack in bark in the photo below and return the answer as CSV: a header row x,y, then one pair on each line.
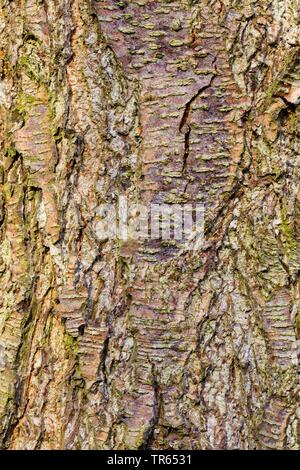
x,y
103,357
184,125
157,402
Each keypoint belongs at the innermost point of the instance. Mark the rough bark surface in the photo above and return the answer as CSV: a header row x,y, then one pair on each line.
x,y
112,345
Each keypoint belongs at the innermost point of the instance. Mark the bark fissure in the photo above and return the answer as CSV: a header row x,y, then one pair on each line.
x,y
184,126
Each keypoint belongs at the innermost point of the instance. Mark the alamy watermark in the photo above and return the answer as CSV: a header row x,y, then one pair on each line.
x,y
181,224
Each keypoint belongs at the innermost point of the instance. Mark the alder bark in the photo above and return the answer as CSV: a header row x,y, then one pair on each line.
x,y
111,345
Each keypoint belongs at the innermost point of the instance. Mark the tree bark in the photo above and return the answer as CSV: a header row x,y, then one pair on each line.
x,y
107,344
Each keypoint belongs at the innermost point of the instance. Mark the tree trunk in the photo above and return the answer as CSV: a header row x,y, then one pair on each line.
x,y
113,344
